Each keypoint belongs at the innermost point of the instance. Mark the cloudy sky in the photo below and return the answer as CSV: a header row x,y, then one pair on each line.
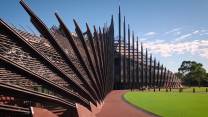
x,y
172,30
178,44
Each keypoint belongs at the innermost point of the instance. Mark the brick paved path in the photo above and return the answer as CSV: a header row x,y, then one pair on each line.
x,y
115,106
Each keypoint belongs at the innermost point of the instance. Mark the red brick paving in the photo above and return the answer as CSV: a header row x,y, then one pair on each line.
x,y
41,112
115,106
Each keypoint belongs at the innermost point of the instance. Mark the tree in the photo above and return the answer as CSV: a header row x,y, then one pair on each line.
x,y
192,73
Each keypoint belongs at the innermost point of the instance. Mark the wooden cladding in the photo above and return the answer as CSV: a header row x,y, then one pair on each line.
x,y
58,68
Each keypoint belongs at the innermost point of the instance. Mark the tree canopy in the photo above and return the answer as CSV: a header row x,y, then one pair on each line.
x,y
192,73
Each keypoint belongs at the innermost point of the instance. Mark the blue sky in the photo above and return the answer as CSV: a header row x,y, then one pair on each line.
x,y
172,30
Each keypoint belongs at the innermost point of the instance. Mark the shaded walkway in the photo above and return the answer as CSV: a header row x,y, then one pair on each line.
x,y
115,106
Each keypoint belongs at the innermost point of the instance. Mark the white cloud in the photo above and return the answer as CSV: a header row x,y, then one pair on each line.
x,y
165,49
142,39
159,41
203,34
150,34
173,31
182,37
196,32
178,33
204,52
203,31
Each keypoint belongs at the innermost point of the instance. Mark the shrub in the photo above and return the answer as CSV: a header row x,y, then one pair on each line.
x,y
180,89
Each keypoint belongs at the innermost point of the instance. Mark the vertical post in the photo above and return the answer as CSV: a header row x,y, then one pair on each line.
x,y
174,81
161,76
158,73
119,28
169,79
171,83
129,57
137,68
146,69
164,76
124,59
142,67
168,76
101,44
112,50
154,74
133,76
150,72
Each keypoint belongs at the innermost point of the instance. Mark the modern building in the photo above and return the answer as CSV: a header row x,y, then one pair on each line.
x,y
57,71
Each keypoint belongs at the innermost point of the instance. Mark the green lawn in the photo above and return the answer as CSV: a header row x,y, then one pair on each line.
x,y
171,104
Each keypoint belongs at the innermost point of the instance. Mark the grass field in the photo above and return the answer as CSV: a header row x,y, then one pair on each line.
x,y
172,104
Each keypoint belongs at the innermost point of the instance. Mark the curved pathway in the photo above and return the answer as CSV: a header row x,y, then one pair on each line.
x,y
115,106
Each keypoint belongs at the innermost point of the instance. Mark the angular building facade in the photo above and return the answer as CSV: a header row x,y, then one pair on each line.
x,y
58,70
134,67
